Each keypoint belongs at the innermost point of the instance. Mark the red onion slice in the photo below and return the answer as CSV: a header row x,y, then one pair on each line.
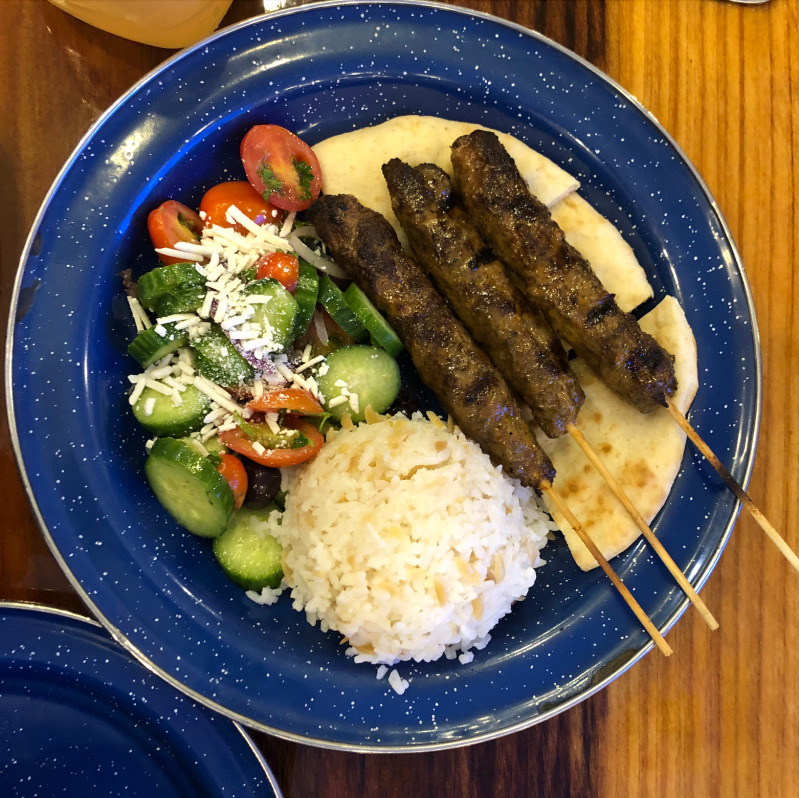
x,y
321,328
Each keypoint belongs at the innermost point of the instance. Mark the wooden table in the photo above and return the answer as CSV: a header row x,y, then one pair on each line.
x,y
720,717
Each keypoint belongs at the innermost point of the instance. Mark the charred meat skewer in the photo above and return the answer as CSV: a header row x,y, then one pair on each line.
x,y
555,277
495,313
517,338
445,356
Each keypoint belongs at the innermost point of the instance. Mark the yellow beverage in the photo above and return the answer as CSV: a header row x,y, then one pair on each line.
x,y
162,23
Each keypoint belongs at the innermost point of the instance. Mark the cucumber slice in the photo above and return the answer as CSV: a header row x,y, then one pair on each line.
x,y
250,556
172,420
380,332
277,315
148,346
192,491
369,372
183,300
217,359
332,300
165,280
305,295
215,446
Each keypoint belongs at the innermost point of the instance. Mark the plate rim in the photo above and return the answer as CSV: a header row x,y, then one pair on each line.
x,y
239,719
46,609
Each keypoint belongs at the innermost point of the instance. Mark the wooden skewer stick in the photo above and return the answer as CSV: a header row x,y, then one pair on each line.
x,y
643,526
605,565
742,495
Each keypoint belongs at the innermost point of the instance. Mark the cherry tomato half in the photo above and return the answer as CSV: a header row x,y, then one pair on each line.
x,y
241,194
294,400
233,471
170,223
281,167
280,266
276,458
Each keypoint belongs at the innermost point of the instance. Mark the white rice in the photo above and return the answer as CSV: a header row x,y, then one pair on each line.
x,y
403,537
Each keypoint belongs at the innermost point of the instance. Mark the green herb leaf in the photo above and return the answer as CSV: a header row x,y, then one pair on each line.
x,y
248,275
322,420
305,174
215,459
248,429
273,183
299,440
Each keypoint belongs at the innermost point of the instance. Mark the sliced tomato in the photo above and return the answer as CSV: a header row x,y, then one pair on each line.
x,y
281,167
293,400
233,471
282,267
218,199
170,223
276,458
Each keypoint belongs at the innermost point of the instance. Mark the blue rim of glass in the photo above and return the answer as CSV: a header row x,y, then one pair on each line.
x,y
619,667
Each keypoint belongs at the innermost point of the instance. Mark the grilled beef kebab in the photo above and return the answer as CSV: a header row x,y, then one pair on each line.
x,y
518,339
448,361
445,356
555,277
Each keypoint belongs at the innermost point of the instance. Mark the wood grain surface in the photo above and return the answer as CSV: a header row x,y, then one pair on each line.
x,y
720,717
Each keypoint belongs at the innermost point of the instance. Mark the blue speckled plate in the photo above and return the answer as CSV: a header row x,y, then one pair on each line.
x,y
320,70
81,718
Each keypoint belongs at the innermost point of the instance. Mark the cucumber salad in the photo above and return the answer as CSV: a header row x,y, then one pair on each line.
x,y
250,343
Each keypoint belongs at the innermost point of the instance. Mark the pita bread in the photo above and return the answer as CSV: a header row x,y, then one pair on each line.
x,y
351,163
612,259
643,451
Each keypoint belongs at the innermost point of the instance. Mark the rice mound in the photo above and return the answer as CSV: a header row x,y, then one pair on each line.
x,y
402,536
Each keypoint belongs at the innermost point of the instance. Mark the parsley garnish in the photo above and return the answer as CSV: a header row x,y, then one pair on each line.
x,y
273,183
324,418
299,441
305,174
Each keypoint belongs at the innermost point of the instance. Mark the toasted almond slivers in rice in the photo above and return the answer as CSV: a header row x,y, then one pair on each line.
x,y
396,441
498,568
466,570
477,608
346,422
450,423
441,593
370,415
435,420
